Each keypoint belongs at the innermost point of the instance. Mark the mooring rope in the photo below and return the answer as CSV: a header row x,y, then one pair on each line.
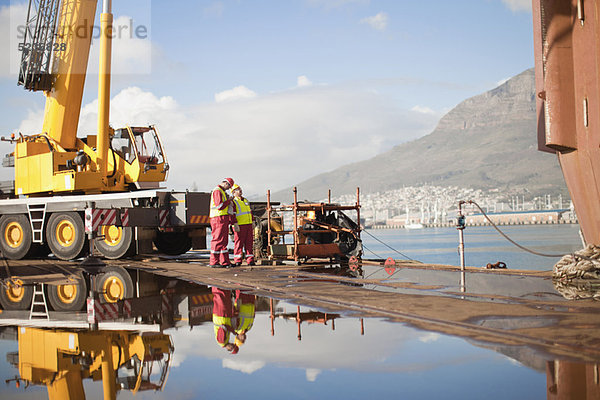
x,y
583,264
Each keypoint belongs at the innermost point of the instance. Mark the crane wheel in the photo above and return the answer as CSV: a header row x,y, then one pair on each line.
x,y
15,236
15,296
173,243
65,235
118,241
114,284
68,297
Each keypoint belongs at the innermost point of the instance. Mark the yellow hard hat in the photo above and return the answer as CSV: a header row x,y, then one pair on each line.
x,y
235,186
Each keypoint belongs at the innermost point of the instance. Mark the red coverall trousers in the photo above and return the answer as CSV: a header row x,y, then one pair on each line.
x,y
222,315
243,240
218,245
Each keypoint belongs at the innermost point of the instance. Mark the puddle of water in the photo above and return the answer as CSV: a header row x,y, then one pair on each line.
x,y
225,341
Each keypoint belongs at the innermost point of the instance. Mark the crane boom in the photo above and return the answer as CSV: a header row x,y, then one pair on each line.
x,y
63,101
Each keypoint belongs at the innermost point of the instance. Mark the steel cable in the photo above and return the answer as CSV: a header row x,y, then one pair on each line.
x,y
372,252
389,247
508,238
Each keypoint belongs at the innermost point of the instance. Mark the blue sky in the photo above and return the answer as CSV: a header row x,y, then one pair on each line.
x,y
283,90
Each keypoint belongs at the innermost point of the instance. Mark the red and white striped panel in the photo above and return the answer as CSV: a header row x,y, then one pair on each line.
x,y
126,308
106,311
163,218
125,217
95,218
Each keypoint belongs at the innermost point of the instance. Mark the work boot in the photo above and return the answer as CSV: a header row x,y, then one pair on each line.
x,y
226,266
251,263
237,264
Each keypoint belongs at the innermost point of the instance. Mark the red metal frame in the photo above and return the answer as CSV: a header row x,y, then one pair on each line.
x,y
310,250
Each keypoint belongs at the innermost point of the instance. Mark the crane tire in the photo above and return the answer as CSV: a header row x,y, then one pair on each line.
x,y
15,236
14,297
114,284
65,235
118,241
68,297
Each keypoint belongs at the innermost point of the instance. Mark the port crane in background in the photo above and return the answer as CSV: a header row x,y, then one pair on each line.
x,y
567,57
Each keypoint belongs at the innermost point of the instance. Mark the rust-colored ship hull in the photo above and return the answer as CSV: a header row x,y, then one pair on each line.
x,y
567,67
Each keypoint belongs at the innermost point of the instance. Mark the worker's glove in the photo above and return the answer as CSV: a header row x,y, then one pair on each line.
x,y
236,227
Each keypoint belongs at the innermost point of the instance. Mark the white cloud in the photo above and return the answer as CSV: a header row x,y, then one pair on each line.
x,y
265,142
311,374
423,110
131,106
247,367
237,93
378,22
303,81
429,337
33,123
518,5
131,52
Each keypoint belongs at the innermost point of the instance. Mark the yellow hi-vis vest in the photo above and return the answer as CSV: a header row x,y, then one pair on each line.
x,y
243,214
245,317
224,323
214,211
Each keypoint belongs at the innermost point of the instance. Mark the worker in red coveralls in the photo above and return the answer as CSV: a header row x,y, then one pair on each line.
x,y
224,319
243,236
220,218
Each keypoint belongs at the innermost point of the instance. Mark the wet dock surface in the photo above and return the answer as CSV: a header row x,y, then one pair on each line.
x,y
409,319
508,307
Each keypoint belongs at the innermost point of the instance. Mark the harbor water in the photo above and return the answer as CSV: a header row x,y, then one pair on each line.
x,y
483,244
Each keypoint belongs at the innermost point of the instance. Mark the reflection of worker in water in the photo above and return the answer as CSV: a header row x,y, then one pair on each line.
x,y
219,224
243,233
223,319
245,304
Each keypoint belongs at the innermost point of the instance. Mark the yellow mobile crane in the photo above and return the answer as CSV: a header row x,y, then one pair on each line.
x,y
68,190
56,161
123,360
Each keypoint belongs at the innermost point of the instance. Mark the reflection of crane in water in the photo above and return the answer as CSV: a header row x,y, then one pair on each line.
x,y
310,317
62,359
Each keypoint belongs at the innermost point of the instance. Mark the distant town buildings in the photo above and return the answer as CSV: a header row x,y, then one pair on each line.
x,y
438,206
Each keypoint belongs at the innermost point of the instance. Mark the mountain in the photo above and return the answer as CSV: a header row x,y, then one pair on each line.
x,y
487,141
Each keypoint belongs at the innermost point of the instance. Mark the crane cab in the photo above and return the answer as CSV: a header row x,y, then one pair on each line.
x,y
138,156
